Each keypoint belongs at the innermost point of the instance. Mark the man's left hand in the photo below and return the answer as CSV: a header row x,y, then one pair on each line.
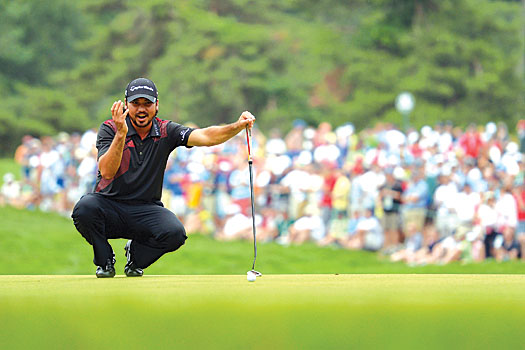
x,y
247,119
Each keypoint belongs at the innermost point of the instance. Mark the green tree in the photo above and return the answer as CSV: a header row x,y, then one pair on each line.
x,y
37,38
62,64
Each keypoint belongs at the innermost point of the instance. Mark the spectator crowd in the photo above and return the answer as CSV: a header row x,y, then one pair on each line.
x,y
428,196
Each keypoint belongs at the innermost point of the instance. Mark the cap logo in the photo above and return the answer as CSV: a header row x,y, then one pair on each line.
x,y
133,88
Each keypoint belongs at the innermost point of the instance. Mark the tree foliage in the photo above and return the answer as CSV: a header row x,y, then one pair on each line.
x,y
62,64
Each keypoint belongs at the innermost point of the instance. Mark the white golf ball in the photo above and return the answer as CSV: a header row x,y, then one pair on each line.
x,y
250,276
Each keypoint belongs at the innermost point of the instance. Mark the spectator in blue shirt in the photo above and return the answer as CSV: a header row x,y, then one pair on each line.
x,y
415,200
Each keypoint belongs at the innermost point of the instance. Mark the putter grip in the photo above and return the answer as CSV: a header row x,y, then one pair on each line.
x,y
249,142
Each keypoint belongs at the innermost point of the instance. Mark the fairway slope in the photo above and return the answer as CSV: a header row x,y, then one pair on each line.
x,y
33,242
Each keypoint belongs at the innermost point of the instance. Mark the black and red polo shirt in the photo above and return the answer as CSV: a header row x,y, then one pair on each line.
x,y
141,172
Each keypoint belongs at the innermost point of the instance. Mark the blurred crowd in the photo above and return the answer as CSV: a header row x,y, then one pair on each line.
x,y
428,196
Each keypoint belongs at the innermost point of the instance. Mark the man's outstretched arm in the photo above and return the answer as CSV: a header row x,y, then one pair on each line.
x,y
215,135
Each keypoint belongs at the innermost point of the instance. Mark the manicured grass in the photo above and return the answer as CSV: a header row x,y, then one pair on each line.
x,y
198,297
33,242
275,312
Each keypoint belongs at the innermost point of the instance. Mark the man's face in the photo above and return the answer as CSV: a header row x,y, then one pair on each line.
x,y
142,111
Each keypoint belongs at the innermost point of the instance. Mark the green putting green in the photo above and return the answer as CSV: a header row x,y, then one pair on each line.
x,y
275,312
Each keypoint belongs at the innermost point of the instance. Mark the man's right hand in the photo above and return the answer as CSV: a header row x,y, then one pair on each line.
x,y
119,117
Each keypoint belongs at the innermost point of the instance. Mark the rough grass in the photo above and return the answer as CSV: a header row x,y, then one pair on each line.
x,y
8,165
33,242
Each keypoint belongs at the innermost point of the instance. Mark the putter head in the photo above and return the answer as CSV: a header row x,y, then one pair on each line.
x,y
256,273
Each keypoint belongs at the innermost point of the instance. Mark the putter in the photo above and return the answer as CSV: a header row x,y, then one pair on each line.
x,y
249,141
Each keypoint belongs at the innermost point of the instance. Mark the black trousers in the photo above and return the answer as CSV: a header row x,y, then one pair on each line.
x,y
153,229
489,243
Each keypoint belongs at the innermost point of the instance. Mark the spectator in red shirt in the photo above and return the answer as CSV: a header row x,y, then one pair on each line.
x,y
519,195
471,141
330,177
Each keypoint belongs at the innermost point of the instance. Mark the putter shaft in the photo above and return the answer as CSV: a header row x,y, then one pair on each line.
x,y
248,137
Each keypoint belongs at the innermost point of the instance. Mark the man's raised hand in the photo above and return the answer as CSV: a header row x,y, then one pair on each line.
x,y
119,117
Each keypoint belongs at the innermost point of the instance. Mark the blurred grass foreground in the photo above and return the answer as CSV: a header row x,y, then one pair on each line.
x,y
276,312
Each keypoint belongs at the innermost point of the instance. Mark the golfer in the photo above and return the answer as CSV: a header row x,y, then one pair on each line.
x,y
133,148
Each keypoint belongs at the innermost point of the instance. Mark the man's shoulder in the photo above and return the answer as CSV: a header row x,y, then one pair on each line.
x,y
111,124
161,121
166,125
169,128
171,125
175,130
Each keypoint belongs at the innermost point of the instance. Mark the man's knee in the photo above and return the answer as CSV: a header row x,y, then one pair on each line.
x,y
84,215
86,208
175,237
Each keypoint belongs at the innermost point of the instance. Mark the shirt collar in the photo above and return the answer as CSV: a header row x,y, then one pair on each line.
x,y
155,128
131,128
154,132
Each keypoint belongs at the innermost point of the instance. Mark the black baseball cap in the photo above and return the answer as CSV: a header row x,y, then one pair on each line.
x,y
141,87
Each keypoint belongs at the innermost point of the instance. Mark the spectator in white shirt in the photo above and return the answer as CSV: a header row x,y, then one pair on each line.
x,y
369,234
444,202
506,209
466,204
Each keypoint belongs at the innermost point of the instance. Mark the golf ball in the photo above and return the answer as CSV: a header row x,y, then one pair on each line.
x,y
250,276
